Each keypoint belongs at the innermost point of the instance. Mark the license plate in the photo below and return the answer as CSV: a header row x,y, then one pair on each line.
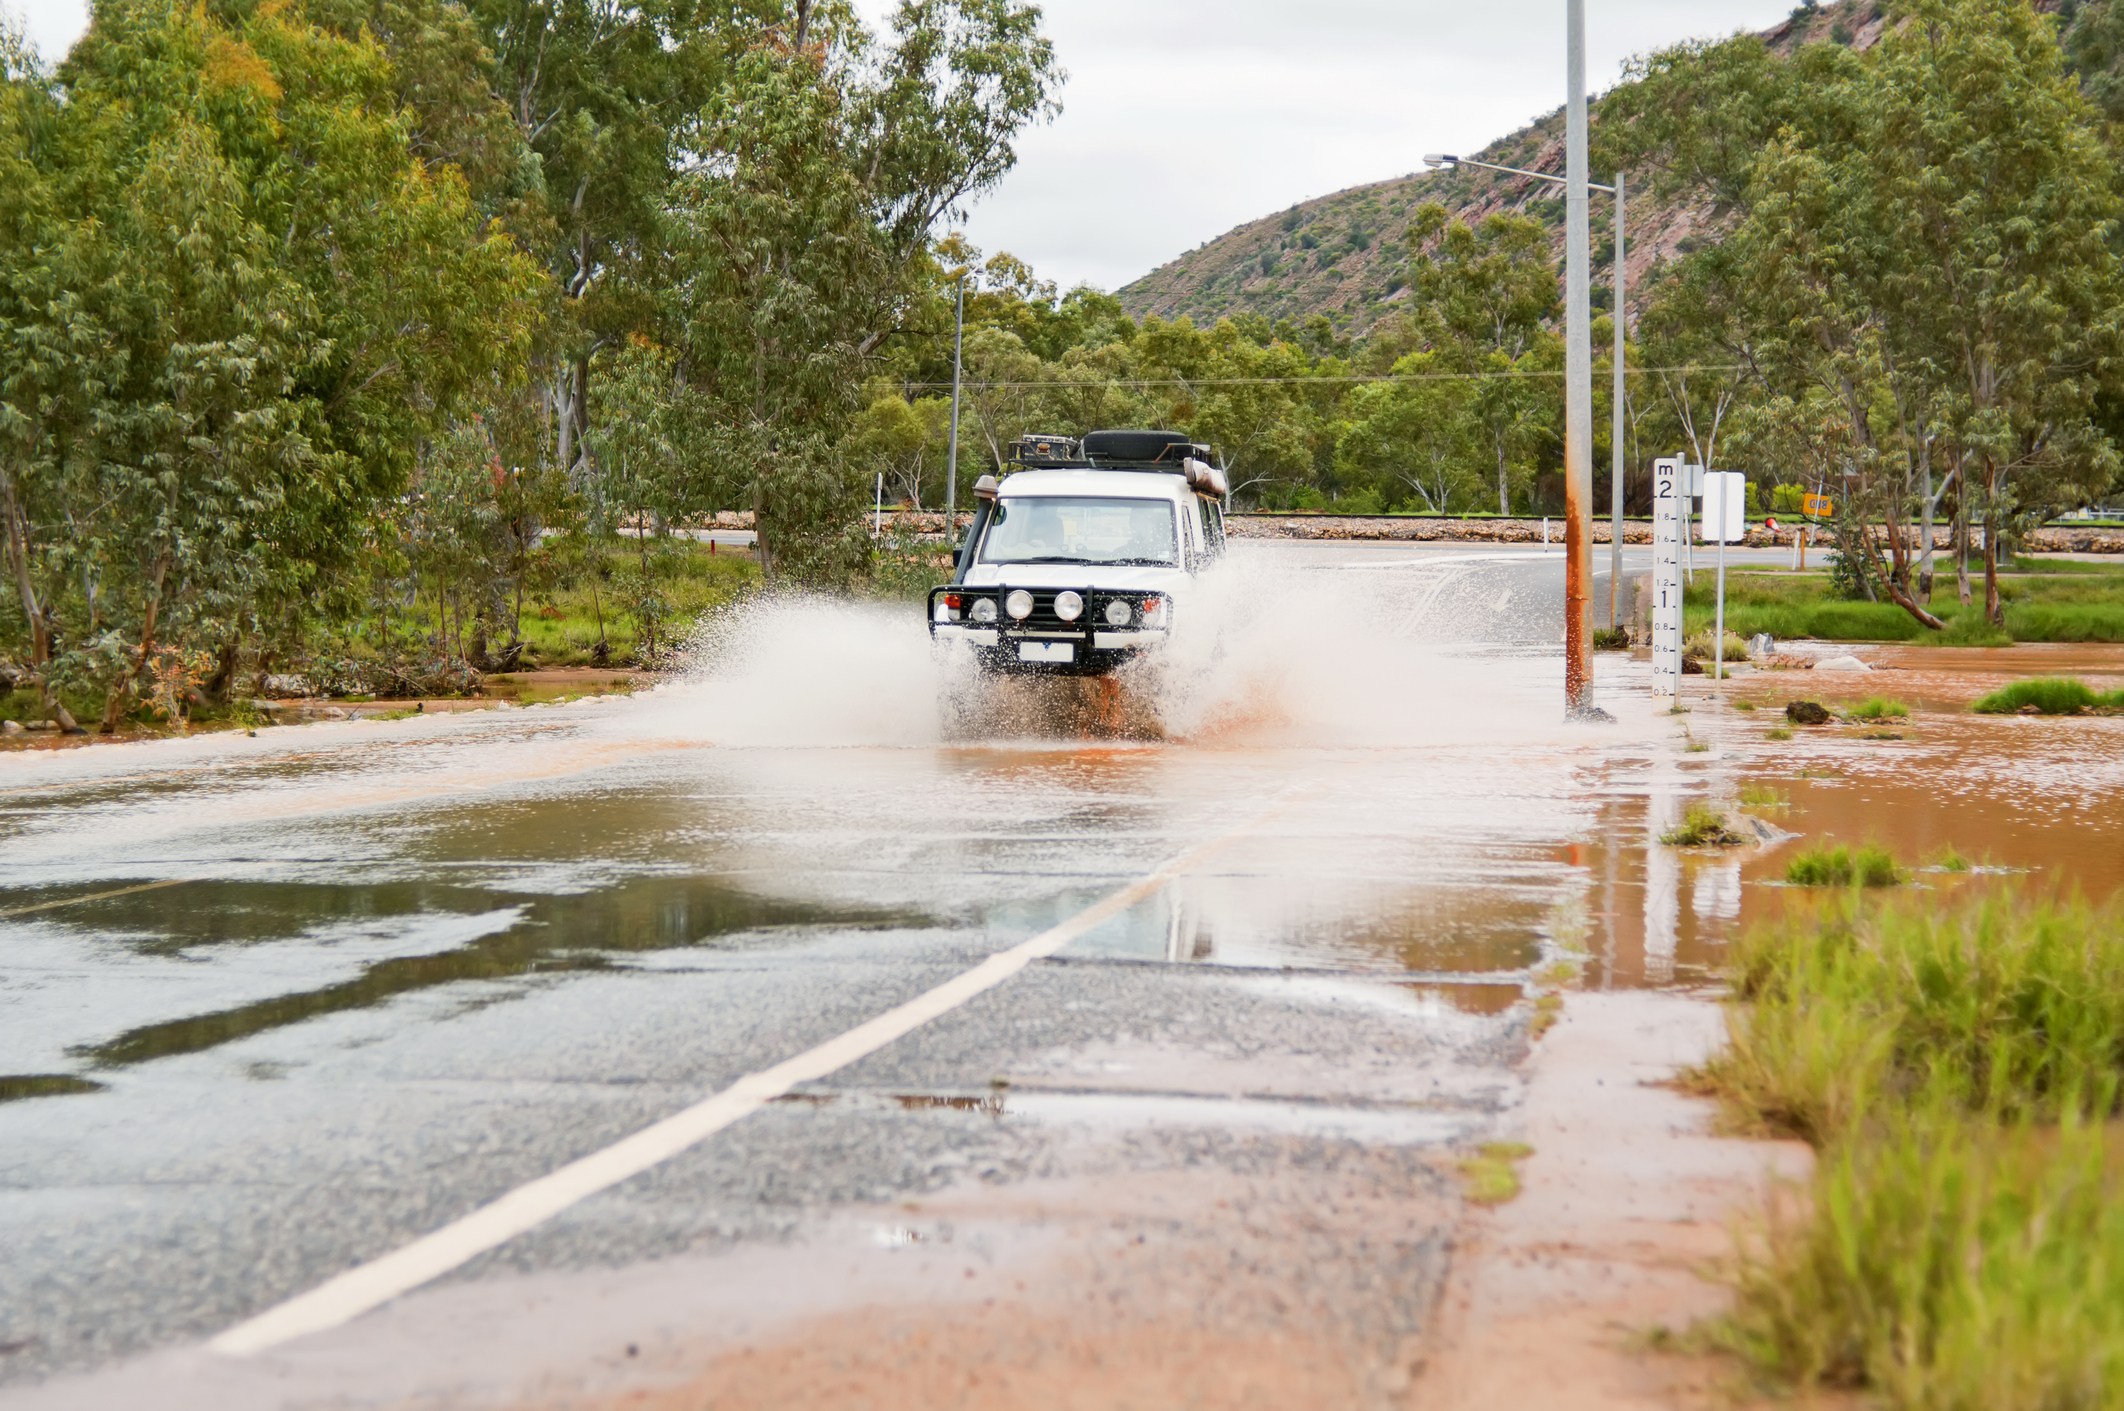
x,y
1047,651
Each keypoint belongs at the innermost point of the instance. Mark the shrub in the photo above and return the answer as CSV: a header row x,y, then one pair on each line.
x,y
1700,647
2051,695
1611,639
1879,708
1839,866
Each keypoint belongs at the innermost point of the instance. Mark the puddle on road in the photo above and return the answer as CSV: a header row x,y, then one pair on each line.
x,y
558,934
1438,848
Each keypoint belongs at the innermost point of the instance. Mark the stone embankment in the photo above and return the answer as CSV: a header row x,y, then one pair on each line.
x,y
2056,539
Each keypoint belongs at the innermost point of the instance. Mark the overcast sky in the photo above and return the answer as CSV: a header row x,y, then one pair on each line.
x,y
1182,119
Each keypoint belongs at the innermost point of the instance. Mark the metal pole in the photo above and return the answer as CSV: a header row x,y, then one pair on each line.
x,y
1578,391
1718,621
1615,490
951,451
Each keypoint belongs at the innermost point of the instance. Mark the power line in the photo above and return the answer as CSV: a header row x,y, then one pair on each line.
x,y
1339,377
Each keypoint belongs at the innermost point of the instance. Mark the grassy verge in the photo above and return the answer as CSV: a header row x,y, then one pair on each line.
x,y
1958,1068
2073,602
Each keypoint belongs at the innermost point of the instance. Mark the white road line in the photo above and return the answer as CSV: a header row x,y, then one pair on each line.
x,y
366,1286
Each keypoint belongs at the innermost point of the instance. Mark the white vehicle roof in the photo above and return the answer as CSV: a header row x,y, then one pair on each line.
x,y
1109,484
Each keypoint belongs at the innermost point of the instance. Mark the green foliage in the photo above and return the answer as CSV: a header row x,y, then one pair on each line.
x,y
1916,278
2050,695
1835,865
1950,1263
1879,708
2052,608
1955,1065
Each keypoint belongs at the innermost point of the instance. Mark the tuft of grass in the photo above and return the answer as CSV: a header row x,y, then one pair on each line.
x,y
2001,1003
1949,860
1834,865
2050,695
1492,1174
1950,1261
1744,705
1879,708
1959,1071
1611,639
1763,796
1547,1010
1701,827
1777,732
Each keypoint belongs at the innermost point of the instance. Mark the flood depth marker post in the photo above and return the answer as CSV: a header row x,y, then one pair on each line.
x,y
1666,577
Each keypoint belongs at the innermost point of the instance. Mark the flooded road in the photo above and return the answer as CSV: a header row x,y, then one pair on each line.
x,y
272,1008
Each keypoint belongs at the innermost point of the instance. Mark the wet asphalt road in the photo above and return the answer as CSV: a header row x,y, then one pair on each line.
x,y
398,969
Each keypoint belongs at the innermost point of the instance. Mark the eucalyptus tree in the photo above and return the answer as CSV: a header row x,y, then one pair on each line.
x,y
799,237
1483,297
1415,433
1920,277
247,304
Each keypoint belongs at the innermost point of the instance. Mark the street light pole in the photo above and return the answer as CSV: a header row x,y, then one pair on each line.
x,y
1615,437
1578,383
951,451
1580,379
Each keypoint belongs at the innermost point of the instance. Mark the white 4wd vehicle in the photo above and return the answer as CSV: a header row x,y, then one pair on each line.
x,y
1083,557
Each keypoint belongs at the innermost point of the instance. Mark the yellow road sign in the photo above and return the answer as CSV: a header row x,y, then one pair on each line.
x,y
1818,507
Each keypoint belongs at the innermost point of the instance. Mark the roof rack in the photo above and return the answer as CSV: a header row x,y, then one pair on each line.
x,y
1166,452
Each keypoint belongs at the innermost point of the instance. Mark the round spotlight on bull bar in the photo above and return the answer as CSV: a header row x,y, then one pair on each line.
x,y
1118,613
1019,604
984,610
1068,606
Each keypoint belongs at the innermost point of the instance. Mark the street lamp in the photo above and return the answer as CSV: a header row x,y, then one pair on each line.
x,y
1620,283
1578,378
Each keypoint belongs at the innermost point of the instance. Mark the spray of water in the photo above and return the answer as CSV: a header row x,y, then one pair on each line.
x,y
1268,652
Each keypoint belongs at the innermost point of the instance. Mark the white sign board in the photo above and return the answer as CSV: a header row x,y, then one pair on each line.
x,y
1670,513
1725,506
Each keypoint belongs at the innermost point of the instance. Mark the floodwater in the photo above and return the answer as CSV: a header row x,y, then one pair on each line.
x,y
271,1007
1438,828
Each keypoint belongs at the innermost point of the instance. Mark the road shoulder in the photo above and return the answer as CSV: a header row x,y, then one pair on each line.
x,y
1628,1202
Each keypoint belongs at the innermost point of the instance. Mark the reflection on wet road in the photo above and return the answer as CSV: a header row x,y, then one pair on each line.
x,y
401,968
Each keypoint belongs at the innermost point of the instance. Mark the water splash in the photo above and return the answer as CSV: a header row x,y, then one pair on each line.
x,y
1269,652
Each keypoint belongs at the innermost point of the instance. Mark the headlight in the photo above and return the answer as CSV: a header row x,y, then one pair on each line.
x,y
1068,605
984,610
1018,604
1118,613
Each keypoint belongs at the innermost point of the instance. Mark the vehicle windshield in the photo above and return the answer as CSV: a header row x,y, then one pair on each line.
x,y
1080,529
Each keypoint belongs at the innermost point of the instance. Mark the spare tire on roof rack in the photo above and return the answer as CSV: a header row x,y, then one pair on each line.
x,y
1136,446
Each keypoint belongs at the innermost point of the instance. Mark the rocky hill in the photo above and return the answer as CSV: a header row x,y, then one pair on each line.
x,y
1345,254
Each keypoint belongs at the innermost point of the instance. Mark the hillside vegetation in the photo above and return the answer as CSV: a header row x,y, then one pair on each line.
x,y
1345,255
